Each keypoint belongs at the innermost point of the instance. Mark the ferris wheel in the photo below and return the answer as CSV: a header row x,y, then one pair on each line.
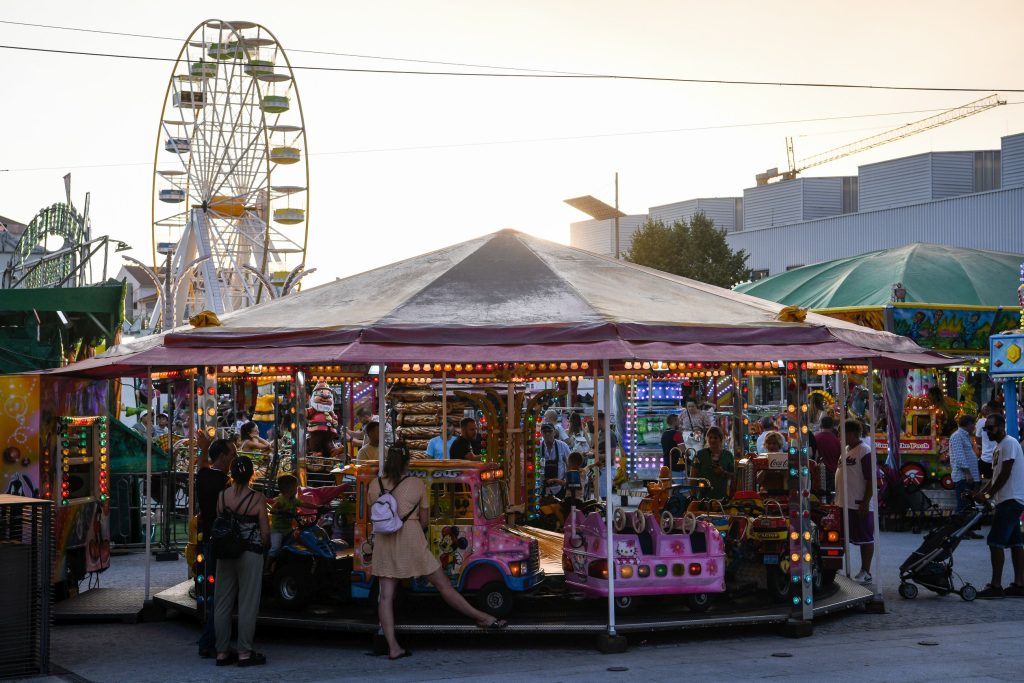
x,y
230,174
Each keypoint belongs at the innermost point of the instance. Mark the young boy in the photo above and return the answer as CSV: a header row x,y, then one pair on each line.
x,y
283,511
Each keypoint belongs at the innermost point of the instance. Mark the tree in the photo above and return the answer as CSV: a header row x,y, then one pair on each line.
x,y
694,249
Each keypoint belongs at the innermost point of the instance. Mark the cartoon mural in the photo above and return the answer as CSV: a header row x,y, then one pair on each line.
x,y
952,329
19,434
32,437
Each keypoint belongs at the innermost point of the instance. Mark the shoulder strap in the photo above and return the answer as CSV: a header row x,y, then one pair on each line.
x,y
245,503
224,500
380,483
409,514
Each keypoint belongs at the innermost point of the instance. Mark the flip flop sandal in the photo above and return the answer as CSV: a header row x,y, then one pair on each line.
x,y
495,625
254,659
229,660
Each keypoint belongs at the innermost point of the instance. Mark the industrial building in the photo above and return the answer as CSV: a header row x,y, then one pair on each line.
x,y
972,199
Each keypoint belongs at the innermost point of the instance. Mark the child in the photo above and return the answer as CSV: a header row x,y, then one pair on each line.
x,y
283,512
573,485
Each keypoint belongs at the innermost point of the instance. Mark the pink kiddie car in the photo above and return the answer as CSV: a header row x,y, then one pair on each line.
x,y
689,561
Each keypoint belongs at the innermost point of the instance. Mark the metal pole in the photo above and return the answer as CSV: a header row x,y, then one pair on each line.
x,y
609,499
444,415
618,255
382,410
841,402
192,441
875,565
149,490
593,445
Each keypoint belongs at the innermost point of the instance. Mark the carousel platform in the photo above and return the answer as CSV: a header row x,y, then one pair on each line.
x,y
101,604
543,612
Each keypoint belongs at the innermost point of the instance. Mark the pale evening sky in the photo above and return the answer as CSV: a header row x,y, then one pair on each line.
x,y
97,117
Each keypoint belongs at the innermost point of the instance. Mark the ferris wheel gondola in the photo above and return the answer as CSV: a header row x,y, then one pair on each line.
x,y
231,171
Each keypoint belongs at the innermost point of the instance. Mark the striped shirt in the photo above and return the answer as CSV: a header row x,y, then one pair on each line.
x,y
962,456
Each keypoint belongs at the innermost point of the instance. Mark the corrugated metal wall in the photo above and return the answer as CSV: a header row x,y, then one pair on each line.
x,y
894,182
1012,171
599,236
988,220
791,201
952,174
822,197
775,204
721,210
670,213
986,170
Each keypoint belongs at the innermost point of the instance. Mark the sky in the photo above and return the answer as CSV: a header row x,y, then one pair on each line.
x,y
401,164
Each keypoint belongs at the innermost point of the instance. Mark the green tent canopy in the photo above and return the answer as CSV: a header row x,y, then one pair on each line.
x,y
931,274
38,327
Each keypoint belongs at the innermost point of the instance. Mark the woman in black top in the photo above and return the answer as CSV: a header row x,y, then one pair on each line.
x,y
241,577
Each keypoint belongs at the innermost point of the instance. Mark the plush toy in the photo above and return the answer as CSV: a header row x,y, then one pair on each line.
x,y
263,416
321,420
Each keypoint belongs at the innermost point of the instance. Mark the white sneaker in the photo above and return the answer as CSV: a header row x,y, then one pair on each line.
x,y
859,577
865,578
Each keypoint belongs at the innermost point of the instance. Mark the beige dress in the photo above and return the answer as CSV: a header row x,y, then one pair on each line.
x,y
403,554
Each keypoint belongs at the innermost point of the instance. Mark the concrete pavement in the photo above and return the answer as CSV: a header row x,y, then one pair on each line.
x,y
978,641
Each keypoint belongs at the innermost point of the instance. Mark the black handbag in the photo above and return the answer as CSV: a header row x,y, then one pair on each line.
x,y
229,540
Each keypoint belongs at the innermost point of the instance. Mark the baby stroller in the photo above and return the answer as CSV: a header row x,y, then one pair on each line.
x,y
931,565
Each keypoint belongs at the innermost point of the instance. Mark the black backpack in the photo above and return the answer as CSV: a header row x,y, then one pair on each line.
x,y
229,541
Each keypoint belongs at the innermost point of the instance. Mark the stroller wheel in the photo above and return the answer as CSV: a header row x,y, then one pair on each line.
x,y
968,592
908,591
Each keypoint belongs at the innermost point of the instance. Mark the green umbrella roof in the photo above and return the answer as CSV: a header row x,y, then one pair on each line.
x,y
931,274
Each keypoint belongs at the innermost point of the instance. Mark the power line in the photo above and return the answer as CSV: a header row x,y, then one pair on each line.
x,y
592,136
480,74
297,50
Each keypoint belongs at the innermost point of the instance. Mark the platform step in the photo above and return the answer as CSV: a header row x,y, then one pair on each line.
x,y
102,604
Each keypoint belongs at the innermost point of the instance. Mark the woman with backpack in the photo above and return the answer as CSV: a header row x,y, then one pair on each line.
x,y
401,512
242,528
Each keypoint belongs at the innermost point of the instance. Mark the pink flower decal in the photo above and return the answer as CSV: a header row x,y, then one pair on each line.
x,y
712,567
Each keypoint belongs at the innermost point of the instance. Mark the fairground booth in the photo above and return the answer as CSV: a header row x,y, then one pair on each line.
x,y
502,329
947,299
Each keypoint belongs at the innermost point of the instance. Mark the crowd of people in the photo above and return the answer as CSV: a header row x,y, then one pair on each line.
x,y
984,460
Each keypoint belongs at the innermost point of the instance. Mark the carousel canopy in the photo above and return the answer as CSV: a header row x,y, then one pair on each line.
x,y
509,296
931,274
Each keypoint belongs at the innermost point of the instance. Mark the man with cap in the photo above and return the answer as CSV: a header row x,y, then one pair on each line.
x,y
144,424
553,454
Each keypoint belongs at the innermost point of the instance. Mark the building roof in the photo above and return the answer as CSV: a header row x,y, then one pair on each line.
x,y
931,274
12,227
510,297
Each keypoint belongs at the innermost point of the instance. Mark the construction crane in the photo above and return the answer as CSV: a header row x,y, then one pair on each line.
x,y
904,131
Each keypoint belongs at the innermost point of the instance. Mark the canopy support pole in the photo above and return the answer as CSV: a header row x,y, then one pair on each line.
x,y
841,403
593,444
149,486
444,415
382,411
875,562
609,499
192,447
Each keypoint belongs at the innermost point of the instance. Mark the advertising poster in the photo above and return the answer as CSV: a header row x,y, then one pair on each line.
x,y
19,434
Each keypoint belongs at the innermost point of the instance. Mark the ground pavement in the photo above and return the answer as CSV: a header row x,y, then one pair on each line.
x,y
929,639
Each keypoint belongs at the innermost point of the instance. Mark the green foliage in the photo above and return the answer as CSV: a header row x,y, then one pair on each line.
x,y
694,249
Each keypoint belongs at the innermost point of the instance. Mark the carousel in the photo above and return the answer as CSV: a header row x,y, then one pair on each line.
x,y
498,330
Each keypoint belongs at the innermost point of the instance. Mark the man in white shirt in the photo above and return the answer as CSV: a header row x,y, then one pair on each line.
x,y
553,454
1006,492
987,444
551,418
853,495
